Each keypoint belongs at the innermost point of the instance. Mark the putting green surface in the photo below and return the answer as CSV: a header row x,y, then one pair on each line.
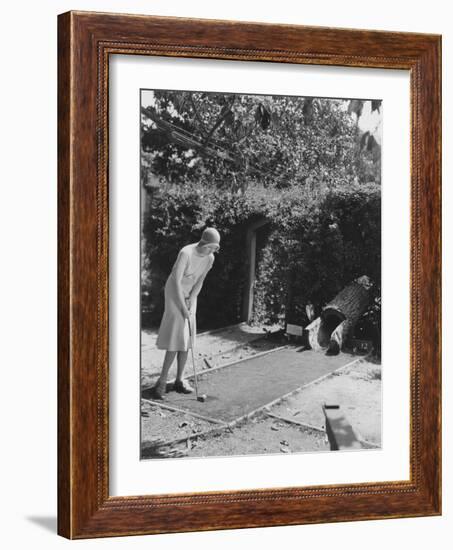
x,y
238,389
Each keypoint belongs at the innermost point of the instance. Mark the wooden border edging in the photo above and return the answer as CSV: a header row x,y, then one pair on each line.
x,y
296,422
232,363
184,411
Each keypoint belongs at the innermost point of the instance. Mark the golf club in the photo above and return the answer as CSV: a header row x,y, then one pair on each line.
x,y
201,398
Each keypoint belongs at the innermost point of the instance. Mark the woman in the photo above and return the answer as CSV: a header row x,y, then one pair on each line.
x,y
181,290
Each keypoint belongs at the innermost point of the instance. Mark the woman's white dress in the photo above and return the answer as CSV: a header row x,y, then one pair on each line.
x,y
174,328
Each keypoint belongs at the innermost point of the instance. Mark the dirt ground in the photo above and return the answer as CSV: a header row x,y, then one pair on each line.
x,y
159,423
357,389
261,435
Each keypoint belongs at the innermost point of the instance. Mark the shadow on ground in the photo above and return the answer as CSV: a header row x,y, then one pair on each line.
x,y
49,523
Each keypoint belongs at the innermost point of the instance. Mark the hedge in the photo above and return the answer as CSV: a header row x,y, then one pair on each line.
x,y
312,246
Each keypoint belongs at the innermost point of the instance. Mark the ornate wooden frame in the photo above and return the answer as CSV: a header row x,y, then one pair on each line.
x,y
85,41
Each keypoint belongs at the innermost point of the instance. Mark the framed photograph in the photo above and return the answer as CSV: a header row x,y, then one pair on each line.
x,y
249,275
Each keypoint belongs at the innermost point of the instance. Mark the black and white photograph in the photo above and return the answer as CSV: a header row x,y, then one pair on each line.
x,y
260,292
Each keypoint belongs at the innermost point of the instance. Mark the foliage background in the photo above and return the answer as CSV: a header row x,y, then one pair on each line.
x,y
305,165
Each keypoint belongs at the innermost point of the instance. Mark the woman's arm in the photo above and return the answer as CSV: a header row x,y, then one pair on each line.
x,y
180,266
198,285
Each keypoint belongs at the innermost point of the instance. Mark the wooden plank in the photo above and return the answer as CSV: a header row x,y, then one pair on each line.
x,y
341,434
294,330
296,422
250,243
185,411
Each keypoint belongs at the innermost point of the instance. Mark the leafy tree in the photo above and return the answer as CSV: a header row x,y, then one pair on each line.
x,y
230,141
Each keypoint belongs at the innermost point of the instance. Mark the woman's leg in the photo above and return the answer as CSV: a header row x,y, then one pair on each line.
x,y
168,361
182,360
182,386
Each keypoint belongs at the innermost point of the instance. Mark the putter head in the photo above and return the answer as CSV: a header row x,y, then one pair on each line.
x,y
202,398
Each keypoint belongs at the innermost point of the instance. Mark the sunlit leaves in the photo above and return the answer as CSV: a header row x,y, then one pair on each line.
x,y
275,141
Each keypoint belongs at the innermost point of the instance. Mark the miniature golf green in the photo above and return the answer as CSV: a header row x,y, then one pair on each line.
x,y
241,388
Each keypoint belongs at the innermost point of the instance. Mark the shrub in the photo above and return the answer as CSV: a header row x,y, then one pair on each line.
x,y
317,250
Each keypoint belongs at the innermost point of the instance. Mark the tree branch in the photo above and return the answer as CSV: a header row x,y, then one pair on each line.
x,y
223,114
197,116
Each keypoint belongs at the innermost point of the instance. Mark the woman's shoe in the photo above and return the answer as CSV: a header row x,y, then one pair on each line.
x,y
182,386
156,392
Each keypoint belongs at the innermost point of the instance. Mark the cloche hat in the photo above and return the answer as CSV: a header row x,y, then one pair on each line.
x,y
210,236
